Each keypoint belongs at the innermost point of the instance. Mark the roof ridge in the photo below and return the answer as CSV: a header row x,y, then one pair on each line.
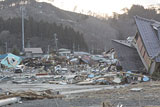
x,y
31,48
141,18
123,42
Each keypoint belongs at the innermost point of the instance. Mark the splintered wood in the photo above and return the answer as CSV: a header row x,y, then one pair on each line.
x,y
32,95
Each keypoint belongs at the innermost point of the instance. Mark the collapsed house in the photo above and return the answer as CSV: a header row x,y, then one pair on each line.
x,y
10,60
147,43
127,55
144,46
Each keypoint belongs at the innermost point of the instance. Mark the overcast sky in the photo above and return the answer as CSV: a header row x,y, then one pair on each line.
x,y
100,6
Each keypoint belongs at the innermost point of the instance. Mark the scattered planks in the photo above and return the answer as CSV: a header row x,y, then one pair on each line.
x,y
32,95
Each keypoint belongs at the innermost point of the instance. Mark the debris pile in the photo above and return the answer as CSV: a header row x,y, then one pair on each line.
x,y
31,95
10,97
79,68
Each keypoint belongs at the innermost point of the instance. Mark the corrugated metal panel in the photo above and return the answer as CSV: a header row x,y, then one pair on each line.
x,y
149,37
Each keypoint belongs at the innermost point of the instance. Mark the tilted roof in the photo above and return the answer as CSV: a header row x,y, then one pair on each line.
x,y
149,36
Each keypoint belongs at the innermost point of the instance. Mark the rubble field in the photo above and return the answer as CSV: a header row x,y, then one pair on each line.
x,y
75,81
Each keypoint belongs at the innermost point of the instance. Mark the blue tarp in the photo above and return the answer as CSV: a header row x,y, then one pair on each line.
x,y
145,78
91,75
3,56
10,60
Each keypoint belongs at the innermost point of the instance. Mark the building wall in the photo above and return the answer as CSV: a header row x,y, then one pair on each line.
x,y
37,55
139,43
28,54
157,68
143,51
147,59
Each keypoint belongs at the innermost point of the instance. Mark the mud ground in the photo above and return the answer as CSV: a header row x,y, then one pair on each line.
x,y
94,96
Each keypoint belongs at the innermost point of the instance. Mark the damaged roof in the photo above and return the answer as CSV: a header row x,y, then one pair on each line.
x,y
124,42
10,60
127,55
149,36
3,56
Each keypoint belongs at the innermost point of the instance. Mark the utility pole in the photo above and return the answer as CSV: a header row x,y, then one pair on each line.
x,y
92,46
55,38
73,47
105,49
92,49
48,48
78,48
22,10
6,45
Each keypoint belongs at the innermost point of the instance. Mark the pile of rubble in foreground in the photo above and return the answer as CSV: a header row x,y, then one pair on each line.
x,y
76,69
9,97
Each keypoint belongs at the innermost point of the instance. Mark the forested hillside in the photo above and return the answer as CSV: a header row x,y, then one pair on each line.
x,y
39,34
125,24
97,34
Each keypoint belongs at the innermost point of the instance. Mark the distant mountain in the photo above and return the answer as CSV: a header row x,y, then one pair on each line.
x,y
97,33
